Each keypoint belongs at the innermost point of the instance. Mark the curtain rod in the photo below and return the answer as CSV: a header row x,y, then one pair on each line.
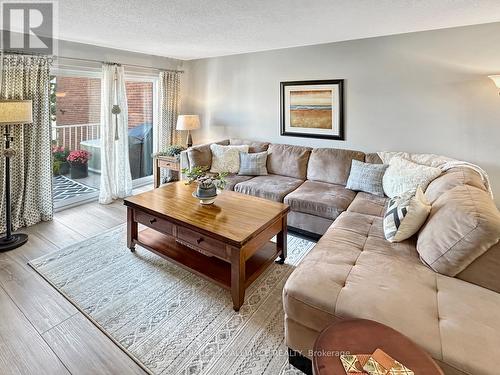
x,y
109,62
96,61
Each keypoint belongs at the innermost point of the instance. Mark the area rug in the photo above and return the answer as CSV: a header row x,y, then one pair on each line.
x,y
169,320
65,188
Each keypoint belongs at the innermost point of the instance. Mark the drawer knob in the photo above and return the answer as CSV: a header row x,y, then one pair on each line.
x,y
199,240
152,221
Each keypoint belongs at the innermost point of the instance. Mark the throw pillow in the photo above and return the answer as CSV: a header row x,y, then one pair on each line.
x,y
366,177
403,175
405,215
253,164
226,158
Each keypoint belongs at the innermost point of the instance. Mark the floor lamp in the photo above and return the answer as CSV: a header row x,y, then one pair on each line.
x,y
12,113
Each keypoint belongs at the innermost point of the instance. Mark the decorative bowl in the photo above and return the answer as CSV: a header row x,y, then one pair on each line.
x,y
205,200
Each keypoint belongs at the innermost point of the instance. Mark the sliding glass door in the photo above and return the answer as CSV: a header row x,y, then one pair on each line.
x,y
75,112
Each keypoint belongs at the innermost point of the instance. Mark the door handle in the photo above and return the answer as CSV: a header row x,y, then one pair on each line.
x,y
152,221
199,240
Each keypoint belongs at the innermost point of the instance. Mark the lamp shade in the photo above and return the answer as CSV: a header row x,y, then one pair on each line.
x,y
496,79
16,111
188,122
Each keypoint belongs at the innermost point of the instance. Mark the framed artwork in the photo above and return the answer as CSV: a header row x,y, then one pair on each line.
x,y
313,109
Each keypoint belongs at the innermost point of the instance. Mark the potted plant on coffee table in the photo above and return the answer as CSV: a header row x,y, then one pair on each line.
x,y
208,185
78,160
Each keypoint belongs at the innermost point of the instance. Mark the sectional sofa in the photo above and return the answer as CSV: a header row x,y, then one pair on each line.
x,y
449,306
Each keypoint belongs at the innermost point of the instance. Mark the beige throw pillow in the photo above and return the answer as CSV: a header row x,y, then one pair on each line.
x,y
403,175
405,215
226,158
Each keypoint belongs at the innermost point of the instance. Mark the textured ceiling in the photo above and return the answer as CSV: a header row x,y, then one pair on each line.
x,y
189,29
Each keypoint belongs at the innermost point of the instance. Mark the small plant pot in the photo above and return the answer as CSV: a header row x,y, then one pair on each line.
x,y
206,192
79,171
64,168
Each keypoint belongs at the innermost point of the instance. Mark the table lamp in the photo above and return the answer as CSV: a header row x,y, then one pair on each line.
x,y
12,113
188,122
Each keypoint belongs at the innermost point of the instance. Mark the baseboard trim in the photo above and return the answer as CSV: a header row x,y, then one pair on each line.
x,y
300,362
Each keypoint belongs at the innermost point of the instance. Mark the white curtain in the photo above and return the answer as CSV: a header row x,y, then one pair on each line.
x,y
116,179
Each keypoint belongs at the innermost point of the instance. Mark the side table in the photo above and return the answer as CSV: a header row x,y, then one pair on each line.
x,y
361,336
167,162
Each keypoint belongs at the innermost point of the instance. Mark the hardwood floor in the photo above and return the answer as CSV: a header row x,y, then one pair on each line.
x,y
40,331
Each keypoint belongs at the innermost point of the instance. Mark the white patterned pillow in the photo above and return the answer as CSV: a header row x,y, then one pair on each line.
x,y
403,175
405,215
226,158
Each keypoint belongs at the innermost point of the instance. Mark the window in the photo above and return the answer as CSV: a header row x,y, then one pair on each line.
x,y
75,114
140,125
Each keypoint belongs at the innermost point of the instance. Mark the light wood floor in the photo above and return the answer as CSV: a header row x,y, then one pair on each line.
x,y
40,331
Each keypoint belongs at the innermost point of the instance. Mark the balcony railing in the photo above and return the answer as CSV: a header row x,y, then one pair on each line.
x,y
71,136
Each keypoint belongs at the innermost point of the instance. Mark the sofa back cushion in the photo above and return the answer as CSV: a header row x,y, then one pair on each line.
x,y
463,224
253,146
484,270
201,155
332,165
452,178
288,160
373,158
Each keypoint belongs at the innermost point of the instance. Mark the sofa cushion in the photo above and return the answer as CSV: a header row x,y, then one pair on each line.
x,y
320,199
484,270
366,177
368,204
331,165
463,224
233,179
452,178
353,272
253,146
273,187
288,160
403,175
373,158
201,156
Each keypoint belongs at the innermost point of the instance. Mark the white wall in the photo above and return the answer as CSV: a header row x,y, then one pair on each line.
x,y
418,92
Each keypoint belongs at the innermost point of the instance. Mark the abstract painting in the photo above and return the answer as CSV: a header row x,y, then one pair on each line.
x,y
312,109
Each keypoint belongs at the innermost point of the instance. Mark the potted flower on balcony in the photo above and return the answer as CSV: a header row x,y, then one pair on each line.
x,y
78,160
59,163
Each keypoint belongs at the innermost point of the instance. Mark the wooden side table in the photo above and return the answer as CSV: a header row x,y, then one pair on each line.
x,y
168,162
361,336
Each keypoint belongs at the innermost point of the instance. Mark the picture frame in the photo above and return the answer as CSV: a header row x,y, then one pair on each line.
x,y
312,109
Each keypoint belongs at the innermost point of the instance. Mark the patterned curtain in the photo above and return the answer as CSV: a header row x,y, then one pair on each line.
x,y
116,179
27,77
169,88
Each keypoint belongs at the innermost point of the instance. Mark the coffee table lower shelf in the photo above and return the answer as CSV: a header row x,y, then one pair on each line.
x,y
208,267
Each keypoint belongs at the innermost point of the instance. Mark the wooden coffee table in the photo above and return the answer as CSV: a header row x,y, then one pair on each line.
x,y
361,336
227,242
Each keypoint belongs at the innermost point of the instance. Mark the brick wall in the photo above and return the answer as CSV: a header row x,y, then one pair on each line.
x,y
81,105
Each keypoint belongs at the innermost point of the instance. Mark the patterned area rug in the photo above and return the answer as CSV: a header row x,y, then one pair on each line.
x,y
169,320
65,188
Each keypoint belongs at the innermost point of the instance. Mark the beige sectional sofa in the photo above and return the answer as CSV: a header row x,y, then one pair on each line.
x,y
354,272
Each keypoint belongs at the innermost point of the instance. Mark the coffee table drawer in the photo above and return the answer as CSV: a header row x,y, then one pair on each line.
x,y
154,222
202,242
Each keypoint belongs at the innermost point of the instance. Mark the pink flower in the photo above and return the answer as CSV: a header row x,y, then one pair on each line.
x,y
79,157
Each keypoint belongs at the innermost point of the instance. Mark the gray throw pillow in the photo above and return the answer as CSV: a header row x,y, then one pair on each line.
x,y
253,164
366,177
